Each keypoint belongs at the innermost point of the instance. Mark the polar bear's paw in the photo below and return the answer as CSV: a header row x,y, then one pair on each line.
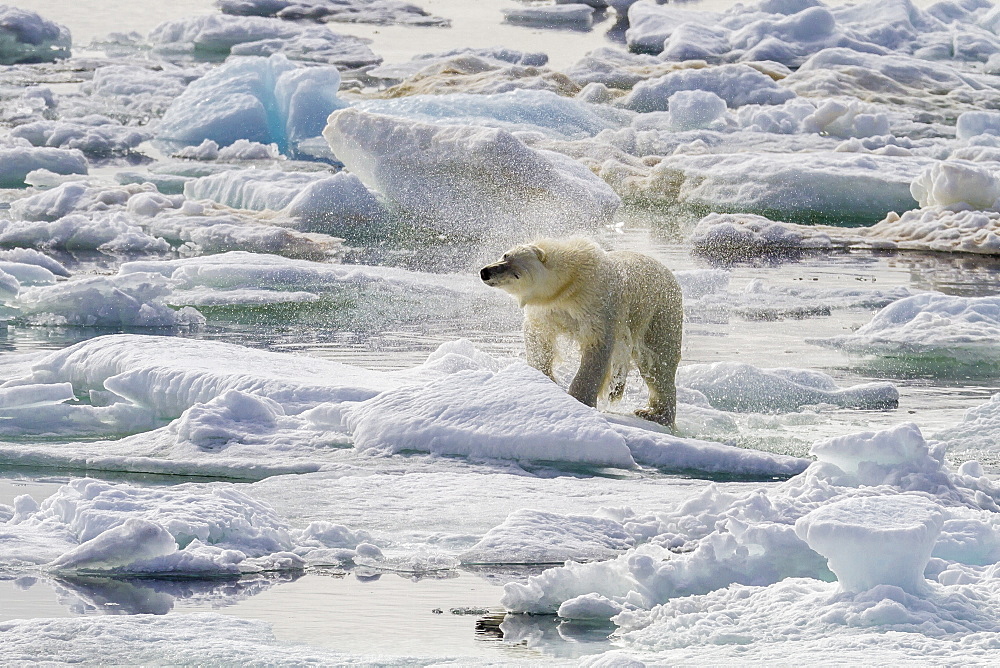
x,y
664,416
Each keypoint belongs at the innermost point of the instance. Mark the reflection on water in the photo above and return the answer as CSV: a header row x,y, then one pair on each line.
x,y
455,614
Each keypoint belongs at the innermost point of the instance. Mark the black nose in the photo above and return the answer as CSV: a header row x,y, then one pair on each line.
x,y
484,273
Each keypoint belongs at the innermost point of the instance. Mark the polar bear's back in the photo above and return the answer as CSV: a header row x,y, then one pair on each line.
x,y
647,283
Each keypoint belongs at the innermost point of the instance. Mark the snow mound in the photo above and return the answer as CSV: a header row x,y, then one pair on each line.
x,y
469,179
872,541
516,413
265,100
717,540
168,376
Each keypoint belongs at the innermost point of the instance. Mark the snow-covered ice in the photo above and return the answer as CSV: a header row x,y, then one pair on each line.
x,y
927,328
474,180
257,36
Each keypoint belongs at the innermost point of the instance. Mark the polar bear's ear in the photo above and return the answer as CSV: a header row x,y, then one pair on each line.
x,y
540,253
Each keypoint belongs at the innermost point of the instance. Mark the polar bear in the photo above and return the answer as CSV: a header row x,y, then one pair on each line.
x,y
618,306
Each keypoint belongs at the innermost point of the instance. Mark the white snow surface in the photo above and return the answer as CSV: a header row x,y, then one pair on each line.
x,y
228,407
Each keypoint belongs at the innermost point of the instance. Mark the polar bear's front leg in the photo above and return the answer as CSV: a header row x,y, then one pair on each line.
x,y
595,363
539,347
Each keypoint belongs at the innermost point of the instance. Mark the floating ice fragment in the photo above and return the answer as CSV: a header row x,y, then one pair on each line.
x,y
538,537
347,11
470,179
743,387
929,326
737,84
134,540
590,606
264,100
100,301
576,14
497,54
320,201
17,162
952,182
878,540
239,150
95,135
26,37
257,36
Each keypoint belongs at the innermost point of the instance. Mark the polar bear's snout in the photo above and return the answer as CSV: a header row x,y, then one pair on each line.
x,y
493,273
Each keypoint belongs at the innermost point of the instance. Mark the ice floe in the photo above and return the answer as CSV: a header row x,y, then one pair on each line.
x,y
235,405
396,72
350,11
320,202
839,185
928,328
18,161
718,540
26,37
96,136
574,14
518,110
223,34
109,528
743,387
469,179
266,100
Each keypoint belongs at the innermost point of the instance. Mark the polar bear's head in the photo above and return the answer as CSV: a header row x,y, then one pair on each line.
x,y
521,271
545,271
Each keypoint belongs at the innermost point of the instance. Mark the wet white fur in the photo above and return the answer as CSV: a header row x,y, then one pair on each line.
x,y
619,307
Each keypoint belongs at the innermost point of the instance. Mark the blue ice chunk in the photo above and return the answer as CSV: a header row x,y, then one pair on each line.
x,y
266,100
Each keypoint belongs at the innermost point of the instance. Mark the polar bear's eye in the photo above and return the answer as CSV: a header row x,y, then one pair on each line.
x,y
505,256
